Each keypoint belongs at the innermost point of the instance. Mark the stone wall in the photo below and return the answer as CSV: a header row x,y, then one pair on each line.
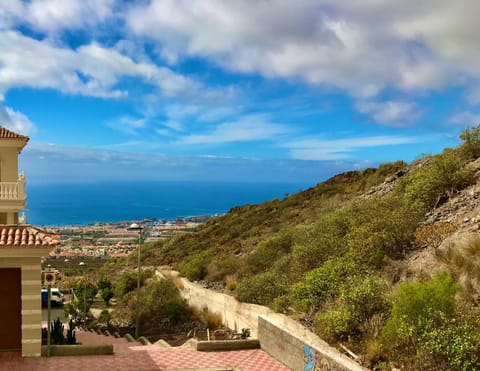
x,y
280,336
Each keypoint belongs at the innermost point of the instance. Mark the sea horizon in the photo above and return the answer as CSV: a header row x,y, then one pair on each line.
x,y
85,203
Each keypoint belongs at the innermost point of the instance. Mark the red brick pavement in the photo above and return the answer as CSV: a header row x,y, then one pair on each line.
x,y
131,356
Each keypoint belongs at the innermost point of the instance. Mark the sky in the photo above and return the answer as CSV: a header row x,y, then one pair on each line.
x,y
241,90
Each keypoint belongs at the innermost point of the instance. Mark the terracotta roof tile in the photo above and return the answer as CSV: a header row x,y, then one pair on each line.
x,y
26,236
8,134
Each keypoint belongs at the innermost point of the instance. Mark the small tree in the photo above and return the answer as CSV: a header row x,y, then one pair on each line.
x,y
107,294
471,142
86,292
105,287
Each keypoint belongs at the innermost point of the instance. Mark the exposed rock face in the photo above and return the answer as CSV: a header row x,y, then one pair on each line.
x,y
461,210
388,185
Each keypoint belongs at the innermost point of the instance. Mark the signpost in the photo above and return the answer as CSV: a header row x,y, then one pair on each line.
x,y
49,280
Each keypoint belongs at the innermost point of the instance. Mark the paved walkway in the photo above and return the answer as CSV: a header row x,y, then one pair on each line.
x,y
131,356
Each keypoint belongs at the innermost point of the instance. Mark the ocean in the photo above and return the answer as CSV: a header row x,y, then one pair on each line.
x,y
86,203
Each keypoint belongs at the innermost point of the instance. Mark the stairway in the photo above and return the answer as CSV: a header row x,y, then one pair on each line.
x,y
120,345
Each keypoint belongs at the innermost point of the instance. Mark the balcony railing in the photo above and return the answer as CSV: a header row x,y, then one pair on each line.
x,y
13,190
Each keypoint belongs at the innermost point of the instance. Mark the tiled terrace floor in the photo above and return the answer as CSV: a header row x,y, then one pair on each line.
x,y
131,356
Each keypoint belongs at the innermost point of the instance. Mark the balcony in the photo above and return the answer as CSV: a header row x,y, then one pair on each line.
x,y
13,191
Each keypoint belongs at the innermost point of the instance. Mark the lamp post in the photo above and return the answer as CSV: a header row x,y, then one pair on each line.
x,y
83,265
136,227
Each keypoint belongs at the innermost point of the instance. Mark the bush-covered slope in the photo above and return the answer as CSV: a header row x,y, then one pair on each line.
x,y
243,228
332,256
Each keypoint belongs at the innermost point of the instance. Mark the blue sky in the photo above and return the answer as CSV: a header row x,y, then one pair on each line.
x,y
287,91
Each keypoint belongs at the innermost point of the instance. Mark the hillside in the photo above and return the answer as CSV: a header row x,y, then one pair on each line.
x,y
240,230
383,260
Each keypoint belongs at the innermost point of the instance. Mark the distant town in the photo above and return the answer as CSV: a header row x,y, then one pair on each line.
x,y
103,240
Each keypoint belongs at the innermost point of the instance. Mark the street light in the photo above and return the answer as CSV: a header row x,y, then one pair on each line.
x,y
136,227
83,265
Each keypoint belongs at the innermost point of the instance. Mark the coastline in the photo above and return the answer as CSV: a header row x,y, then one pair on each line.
x,y
84,204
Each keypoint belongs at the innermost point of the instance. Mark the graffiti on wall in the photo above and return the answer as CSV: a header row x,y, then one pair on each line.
x,y
316,362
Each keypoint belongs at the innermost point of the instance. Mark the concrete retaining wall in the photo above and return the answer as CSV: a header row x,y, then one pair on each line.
x,y
235,315
280,336
298,348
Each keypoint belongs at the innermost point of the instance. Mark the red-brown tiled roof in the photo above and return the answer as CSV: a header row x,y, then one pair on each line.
x,y
26,236
8,134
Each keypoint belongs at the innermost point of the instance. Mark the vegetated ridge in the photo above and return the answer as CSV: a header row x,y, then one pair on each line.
x,y
385,261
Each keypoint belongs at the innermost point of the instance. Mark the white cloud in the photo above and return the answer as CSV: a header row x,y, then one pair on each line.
x,y
473,96
339,149
9,12
16,121
416,46
52,16
128,124
89,70
390,113
412,46
466,118
247,128
67,164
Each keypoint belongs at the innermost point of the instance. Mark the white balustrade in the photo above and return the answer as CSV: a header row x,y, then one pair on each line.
x,y
13,190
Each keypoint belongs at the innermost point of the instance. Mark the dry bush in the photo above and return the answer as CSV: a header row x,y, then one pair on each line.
x,y
230,283
434,234
211,320
178,283
463,259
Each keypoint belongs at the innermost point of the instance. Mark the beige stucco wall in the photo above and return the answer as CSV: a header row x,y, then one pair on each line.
x,y
30,295
9,207
8,163
279,335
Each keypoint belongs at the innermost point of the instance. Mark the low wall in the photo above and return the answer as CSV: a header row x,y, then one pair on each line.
x,y
235,315
280,336
78,350
224,345
298,348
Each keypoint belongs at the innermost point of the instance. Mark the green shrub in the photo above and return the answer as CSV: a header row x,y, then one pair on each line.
x,y
334,324
104,317
176,311
359,300
321,284
417,302
219,269
423,329
380,226
196,266
107,294
269,250
322,241
104,283
439,178
106,290
455,344
128,282
261,289
85,292
470,148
